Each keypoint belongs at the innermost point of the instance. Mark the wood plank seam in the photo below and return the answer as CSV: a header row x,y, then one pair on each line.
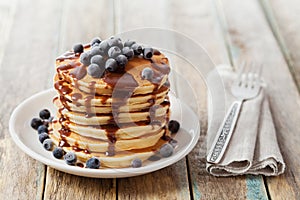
x,y
50,81
189,178
270,17
218,7
267,188
44,181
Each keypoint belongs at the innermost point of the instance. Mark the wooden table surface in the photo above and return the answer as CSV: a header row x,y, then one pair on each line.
x,y
34,32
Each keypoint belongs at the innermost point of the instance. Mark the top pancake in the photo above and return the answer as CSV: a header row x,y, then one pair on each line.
x,y
70,69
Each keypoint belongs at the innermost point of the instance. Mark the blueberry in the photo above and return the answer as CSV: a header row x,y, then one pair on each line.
x,y
111,65
78,48
50,119
104,47
96,40
47,121
95,45
85,58
48,144
136,163
97,59
115,42
129,43
121,61
147,73
128,52
173,126
137,49
154,158
95,51
42,129
45,114
114,51
70,158
166,150
148,52
58,152
43,137
173,142
35,123
95,71
93,163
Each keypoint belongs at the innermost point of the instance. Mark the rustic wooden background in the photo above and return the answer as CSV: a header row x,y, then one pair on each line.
x,y
34,32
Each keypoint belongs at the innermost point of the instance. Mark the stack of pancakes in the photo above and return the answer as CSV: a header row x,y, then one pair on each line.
x,y
116,118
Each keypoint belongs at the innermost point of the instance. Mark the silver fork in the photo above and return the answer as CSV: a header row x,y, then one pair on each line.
x,y
245,87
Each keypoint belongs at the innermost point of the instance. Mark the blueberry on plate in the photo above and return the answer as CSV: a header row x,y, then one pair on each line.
x,y
114,51
129,43
166,150
136,163
96,40
58,152
173,126
95,70
45,114
154,158
173,142
35,123
147,74
137,49
148,52
121,61
111,65
93,163
70,158
78,48
42,129
50,119
48,144
85,58
128,52
43,137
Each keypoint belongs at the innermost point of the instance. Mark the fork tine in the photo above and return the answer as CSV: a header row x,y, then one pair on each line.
x,y
251,75
249,68
259,70
241,70
257,75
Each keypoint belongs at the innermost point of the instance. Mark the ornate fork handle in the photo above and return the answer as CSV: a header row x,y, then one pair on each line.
x,y
224,133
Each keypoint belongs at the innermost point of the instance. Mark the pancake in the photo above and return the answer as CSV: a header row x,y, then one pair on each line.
x,y
116,117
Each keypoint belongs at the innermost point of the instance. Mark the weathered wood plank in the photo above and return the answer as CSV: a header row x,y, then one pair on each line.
x,y
60,185
170,182
283,18
81,21
201,22
21,176
255,40
7,12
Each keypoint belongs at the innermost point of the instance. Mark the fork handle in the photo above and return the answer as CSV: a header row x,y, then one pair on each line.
x,y
224,133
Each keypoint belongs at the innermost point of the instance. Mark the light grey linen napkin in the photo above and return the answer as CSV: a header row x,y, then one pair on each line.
x,y
253,148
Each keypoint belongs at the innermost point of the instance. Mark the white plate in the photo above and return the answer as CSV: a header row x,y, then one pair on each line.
x,y
27,139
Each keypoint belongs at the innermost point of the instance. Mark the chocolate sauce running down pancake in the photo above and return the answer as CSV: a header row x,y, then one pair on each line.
x,y
116,117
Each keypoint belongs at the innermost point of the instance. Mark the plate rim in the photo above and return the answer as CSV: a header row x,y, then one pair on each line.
x,y
97,173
